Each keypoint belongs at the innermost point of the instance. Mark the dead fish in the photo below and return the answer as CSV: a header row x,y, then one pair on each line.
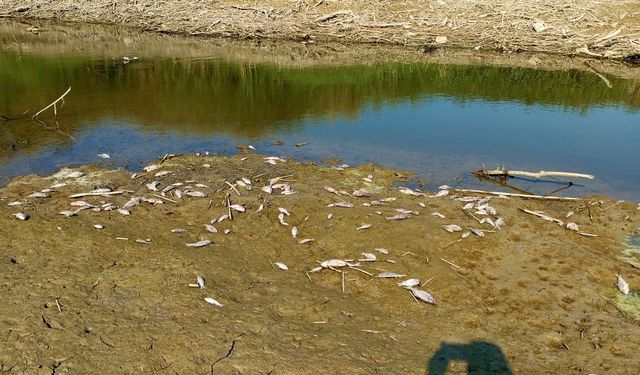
x,y
341,204
21,216
153,201
178,193
68,213
422,205
390,275
246,180
153,185
250,147
197,194
132,203
465,234
210,228
405,211
442,193
409,283
199,243
213,301
104,156
452,228
333,263
360,193
423,296
399,217
569,214
162,173
151,168
227,231
294,232
444,187
573,226
405,190
491,211
284,211
240,183
438,214
499,223
267,189
306,240
15,203
98,226
260,208
80,204
331,190
282,266
468,206
622,285
382,250
281,219
369,257
75,174
329,216
38,195
144,242
363,227
221,218
206,165
134,176
477,232
237,207
200,281
387,200
178,230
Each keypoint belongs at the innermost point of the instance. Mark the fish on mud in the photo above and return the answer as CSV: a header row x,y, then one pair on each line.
x,y
409,283
213,301
21,216
399,217
390,275
622,285
452,228
423,296
363,227
199,243
153,185
200,281
282,266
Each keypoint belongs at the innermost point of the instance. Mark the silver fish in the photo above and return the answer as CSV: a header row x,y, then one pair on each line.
x,y
452,228
409,283
363,227
210,228
151,168
442,193
178,230
499,223
333,263
104,156
369,257
306,240
573,226
38,195
199,243
382,250
21,216
213,301
361,193
468,206
162,173
260,208
153,185
68,213
267,189
132,203
294,232
438,214
423,296
341,204
15,203
399,217
227,231
238,207
477,232
284,211
622,285
197,194
98,226
282,266
200,281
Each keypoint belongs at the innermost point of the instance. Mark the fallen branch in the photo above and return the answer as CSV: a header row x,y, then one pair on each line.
x,y
543,216
92,194
538,175
333,15
525,196
52,105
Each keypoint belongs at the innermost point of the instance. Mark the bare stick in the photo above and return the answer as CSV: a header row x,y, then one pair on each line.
x,y
233,187
525,196
613,205
343,276
543,216
450,263
363,271
52,104
106,193
537,175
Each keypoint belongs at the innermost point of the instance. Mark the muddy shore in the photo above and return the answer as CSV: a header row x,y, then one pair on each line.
x,y
587,28
530,297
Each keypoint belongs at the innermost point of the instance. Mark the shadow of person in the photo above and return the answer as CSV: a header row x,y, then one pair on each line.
x,y
481,358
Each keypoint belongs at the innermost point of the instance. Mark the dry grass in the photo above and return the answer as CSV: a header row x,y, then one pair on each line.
x,y
588,27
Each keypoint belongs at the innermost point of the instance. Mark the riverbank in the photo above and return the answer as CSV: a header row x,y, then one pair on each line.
x,y
104,287
588,28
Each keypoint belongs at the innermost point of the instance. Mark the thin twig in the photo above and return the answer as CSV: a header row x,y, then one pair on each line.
x,y
52,104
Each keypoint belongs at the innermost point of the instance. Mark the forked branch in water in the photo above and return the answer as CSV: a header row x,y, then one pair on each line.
x,y
538,175
53,104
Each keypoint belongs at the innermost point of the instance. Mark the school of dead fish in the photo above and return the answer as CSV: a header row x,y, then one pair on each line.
x,y
478,208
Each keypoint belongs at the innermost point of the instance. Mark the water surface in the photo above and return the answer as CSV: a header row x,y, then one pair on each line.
x,y
442,121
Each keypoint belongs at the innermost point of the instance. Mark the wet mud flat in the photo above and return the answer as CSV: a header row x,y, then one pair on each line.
x,y
95,290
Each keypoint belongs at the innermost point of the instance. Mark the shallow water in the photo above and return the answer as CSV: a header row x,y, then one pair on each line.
x,y
442,121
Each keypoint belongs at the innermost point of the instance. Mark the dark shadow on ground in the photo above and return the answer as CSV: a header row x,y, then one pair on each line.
x,y
481,357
